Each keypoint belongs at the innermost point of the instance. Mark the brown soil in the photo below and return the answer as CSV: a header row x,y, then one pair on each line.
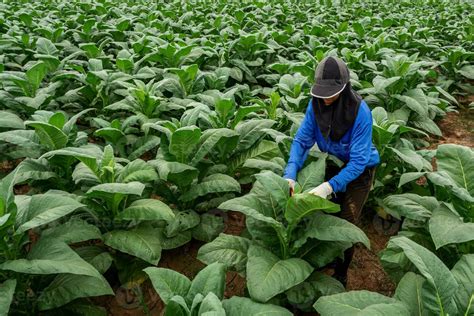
x,y
7,166
365,271
457,128
21,189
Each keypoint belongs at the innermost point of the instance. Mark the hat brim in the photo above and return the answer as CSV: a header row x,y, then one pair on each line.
x,y
325,92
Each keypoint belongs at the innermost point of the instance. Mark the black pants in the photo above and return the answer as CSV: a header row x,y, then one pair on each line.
x,y
352,202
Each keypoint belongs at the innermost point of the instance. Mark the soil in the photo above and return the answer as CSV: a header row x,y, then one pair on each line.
x,y
7,166
365,271
457,128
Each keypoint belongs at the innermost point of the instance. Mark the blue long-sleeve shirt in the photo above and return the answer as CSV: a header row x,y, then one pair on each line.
x,y
355,148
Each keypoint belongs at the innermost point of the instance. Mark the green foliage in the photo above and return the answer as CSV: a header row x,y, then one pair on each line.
x,y
204,295
133,119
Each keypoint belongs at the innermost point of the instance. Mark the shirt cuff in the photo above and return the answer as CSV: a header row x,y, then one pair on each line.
x,y
335,186
290,172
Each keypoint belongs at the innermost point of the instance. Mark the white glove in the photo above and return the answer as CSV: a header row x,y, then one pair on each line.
x,y
291,183
322,190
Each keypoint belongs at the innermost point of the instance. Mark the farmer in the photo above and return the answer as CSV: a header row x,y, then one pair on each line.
x,y
340,123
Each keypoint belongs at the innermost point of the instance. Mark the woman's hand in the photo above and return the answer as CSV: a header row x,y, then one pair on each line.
x,y
322,190
291,183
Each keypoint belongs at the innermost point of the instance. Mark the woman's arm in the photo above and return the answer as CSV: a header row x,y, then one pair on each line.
x,y
304,139
361,143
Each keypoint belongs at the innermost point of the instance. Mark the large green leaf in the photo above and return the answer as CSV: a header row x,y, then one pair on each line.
x,y
312,175
69,125
251,132
427,124
210,138
409,156
227,249
440,285
43,209
108,190
447,227
323,252
458,162
359,303
96,256
177,307
179,239
467,71
26,138
210,279
331,228
268,275
463,272
83,174
276,187
413,103
147,209
305,204
183,142
411,205
49,135
58,119
73,231
36,74
182,221
409,292
46,47
33,169
261,164
7,289
87,155
68,287
143,145
216,183
137,170
142,242
316,285
250,205
49,257
168,283
409,176
443,179
10,120
208,228
242,306
211,305
178,173
110,134
262,149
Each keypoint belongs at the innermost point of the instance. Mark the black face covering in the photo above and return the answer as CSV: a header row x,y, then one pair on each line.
x,y
336,119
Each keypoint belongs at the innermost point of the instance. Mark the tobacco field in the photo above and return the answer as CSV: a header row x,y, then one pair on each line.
x,y
130,130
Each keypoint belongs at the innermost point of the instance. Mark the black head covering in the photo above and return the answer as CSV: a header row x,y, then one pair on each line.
x,y
336,119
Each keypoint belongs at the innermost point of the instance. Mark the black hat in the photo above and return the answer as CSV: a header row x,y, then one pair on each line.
x,y
330,78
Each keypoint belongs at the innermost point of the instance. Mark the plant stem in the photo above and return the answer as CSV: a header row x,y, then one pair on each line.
x,y
283,244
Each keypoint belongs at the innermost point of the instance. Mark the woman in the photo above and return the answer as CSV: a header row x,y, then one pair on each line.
x,y
340,122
